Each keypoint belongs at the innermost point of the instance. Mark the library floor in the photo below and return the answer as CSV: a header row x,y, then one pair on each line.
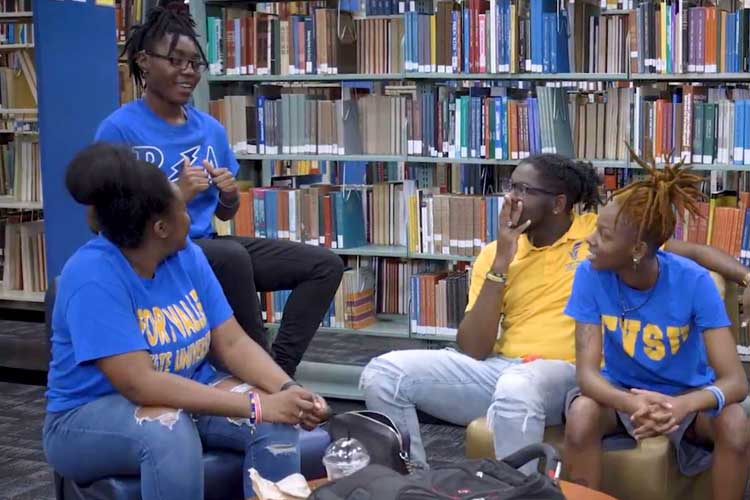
x,y
24,474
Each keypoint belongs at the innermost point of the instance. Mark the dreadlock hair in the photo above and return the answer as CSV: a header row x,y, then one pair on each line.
x,y
576,179
169,17
655,202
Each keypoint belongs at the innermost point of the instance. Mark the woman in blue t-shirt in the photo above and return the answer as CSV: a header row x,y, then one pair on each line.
x,y
193,150
137,313
670,362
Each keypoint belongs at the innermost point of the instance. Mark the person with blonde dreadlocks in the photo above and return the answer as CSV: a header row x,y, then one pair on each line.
x,y
514,359
670,363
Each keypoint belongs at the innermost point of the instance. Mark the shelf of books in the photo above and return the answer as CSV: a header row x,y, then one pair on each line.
x,y
384,129
22,246
127,14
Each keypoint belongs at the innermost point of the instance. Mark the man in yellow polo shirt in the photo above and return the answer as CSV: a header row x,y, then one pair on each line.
x,y
537,287
516,347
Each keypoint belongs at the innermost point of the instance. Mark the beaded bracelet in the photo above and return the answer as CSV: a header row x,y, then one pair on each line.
x,y
720,400
258,409
256,412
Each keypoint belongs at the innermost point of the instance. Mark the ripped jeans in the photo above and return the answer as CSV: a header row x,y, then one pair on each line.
x,y
519,399
110,436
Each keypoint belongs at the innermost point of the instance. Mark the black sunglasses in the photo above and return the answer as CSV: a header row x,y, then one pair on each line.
x,y
182,63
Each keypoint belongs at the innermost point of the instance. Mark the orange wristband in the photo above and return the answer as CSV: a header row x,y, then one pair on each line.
x,y
529,358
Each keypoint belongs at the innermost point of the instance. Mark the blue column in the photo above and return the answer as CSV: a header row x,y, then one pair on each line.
x,y
76,64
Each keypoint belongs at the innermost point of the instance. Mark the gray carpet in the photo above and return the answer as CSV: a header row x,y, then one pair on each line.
x,y
24,474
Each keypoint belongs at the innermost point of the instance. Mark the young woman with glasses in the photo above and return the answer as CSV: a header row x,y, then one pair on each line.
x,y
192,149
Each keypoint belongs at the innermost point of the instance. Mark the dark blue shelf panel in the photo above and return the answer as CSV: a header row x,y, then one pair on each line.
x,y
76,64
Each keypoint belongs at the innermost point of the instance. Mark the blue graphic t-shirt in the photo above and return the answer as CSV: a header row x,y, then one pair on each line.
x,y
103,308
165,145
659,346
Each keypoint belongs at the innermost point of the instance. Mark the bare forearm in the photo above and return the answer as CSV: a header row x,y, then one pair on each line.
x,y
699,400
588,374
593,385
719,262
730,376
228,206
477,332
733,388
711,258
173,391
247,361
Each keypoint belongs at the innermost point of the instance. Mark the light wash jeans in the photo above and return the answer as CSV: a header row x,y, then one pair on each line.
x,y
519,399
104,438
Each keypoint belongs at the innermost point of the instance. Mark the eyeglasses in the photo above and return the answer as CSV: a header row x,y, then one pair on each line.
x,y
522,189
182,63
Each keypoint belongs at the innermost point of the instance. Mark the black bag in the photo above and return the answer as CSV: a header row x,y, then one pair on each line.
x,y
484,479
386,445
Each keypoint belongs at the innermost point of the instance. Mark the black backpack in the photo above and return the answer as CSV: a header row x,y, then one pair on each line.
x,y
484,479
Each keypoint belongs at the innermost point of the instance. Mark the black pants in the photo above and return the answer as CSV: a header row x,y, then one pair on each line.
x,y
245,266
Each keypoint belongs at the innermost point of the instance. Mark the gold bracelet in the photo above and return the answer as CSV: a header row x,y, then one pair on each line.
x,y
496,278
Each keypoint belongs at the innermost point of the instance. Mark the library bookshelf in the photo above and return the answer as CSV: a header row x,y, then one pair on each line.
x,y
21,206
684,52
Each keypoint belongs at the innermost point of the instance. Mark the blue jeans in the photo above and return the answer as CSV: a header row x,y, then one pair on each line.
x,y
106,437
519,399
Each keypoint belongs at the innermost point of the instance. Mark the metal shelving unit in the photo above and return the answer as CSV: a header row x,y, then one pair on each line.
x,y
16,15
543,77
375,251
620,164
18,299
341,380
324,157
21,296
691,77
16,46
388,325
399,252
12,203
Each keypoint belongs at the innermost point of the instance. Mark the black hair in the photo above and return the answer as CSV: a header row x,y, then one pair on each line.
x,y
125,192
169,17
578,180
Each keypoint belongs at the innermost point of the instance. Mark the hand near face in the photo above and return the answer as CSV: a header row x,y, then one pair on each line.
x,y
509,229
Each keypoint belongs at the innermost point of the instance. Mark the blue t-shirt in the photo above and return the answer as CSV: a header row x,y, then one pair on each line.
x,y
662,348
165,145
103,308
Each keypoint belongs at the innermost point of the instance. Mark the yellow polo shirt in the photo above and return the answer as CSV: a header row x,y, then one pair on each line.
x,y
540,281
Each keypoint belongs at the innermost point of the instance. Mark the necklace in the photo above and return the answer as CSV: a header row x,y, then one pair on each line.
x,y
624,307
